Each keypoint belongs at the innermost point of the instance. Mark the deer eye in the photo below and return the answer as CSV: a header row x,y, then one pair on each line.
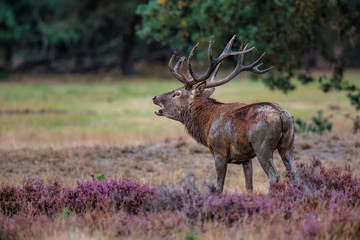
x,y
176,94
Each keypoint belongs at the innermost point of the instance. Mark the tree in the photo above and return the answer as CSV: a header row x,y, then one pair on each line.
x,y
70,35
292,32
14,27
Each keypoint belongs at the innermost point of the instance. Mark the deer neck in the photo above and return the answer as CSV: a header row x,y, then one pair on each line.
x,y
198,118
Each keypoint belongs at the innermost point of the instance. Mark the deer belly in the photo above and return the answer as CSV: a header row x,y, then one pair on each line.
x,y
230,142
239,154
235,152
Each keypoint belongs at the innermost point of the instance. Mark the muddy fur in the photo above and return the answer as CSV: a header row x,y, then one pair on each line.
x,y
233,132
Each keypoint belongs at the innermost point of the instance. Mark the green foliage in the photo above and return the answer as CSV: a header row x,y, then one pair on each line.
x,y
100,177
355,99
67,212
319,124
15,24
190,236
291,33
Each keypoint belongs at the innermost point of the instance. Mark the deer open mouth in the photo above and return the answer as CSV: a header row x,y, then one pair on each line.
x,y
159,112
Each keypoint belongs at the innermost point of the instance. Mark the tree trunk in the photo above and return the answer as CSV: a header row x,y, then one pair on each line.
x,y
8,55
126,58
129,41
312,59
79,60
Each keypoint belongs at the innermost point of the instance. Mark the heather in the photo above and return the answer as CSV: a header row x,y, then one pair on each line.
x,y
322,204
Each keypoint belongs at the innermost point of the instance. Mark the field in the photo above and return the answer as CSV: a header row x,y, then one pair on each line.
x,y
61,135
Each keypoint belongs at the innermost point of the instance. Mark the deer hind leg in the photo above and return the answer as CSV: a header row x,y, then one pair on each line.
x,y
286,153
248,172
265,158
286,157
286,149
221,166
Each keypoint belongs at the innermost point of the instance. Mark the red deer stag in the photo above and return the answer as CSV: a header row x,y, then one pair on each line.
x,y
233,132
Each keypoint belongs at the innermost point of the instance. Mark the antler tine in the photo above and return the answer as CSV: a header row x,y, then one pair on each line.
x,y
181,63
256,62
211,43
173,71
256,70
215,72
227,51
190,69
210,69
229,45
178,66
241,57
213,63
254,67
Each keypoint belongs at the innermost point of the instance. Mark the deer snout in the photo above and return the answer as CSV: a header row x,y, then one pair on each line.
x,y
160,111
156,100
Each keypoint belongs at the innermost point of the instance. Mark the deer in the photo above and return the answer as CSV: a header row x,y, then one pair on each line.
x,y
234,133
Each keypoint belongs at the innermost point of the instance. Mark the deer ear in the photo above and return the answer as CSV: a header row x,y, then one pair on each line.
x,y
208,93
199,88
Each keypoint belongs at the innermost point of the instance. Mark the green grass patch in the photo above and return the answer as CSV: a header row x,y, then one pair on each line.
x,y
126,106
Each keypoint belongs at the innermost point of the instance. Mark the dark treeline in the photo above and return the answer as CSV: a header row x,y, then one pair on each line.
x,y
81,36
63,36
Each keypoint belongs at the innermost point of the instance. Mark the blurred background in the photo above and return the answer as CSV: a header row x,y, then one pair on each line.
x,y
85,71
77,78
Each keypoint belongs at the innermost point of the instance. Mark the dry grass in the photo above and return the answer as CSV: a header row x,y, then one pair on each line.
x,y
60,138
166,162
106,132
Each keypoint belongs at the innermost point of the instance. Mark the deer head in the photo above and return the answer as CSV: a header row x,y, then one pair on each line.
x,y
176,103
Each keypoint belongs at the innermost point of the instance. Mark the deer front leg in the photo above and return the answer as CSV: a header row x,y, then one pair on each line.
x,y
248,172
221,166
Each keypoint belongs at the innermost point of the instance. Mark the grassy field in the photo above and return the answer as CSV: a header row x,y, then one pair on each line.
x,y
69,129
73,110
71,122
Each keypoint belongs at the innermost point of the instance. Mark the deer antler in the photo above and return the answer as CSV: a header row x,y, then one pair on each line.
x,y
214,65
254,67
175,71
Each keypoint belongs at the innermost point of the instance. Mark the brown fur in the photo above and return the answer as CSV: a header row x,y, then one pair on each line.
x,y
233,132
199,118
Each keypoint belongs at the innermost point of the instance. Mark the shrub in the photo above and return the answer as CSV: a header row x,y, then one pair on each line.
x,y
321,203
319,124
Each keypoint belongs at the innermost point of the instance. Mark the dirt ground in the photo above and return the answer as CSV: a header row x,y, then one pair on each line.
x,y
167,162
